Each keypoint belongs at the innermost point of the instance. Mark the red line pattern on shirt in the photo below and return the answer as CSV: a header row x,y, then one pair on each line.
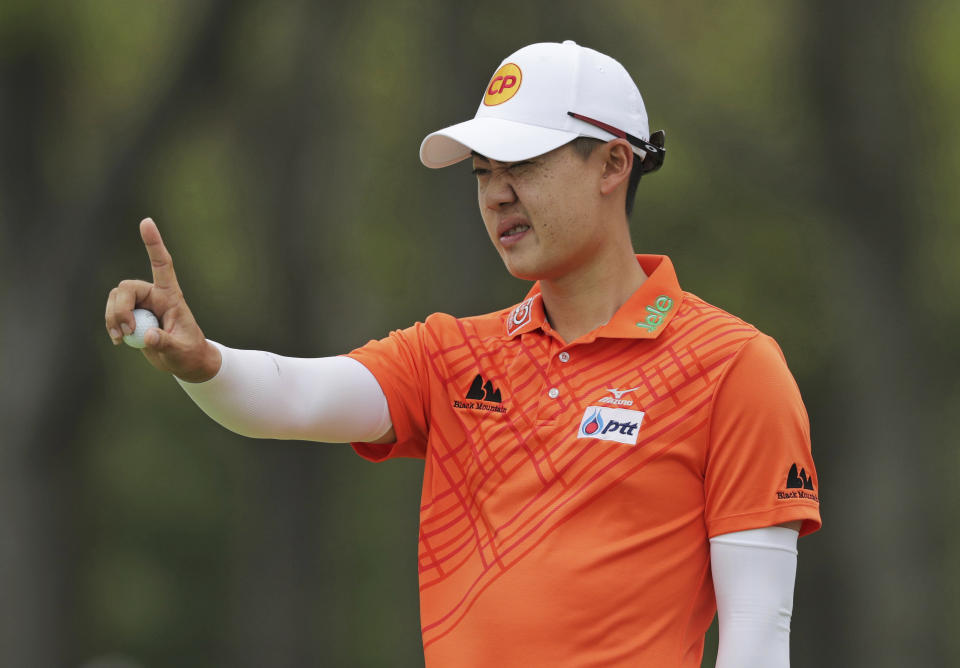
x,y
461,527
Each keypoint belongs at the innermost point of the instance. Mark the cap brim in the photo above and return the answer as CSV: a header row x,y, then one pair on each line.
x,y
494,138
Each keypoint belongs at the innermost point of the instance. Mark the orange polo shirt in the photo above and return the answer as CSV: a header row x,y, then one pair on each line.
x,y
570,489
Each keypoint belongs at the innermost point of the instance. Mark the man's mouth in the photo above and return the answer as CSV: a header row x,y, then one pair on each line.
x,y
519,228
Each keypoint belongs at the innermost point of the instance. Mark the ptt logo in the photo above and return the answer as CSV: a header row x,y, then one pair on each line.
x,y
504,85
611,424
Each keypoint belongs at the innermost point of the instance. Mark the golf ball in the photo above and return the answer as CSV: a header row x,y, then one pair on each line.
x,y
145,320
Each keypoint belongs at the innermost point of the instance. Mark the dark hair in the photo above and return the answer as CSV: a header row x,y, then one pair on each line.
x,y
584,147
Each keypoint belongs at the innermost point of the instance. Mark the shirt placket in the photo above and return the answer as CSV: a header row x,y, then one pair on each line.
x,y
555,396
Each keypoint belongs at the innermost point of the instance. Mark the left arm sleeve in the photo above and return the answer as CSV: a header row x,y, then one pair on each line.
x,y
399,364
753,577
759,468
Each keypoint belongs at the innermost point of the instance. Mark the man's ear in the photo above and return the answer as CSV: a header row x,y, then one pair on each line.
x,y
618,160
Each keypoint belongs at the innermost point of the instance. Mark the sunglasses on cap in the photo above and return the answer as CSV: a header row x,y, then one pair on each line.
x,y
654,148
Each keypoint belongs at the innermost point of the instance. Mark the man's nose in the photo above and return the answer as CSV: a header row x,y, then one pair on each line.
x,y
499,190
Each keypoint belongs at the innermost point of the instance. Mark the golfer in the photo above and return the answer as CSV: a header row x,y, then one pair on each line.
x,y
608,463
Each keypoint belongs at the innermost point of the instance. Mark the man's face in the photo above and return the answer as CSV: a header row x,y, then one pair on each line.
x,y
542,214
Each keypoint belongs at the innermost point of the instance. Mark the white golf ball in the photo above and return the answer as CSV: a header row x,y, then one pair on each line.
x,y
145,320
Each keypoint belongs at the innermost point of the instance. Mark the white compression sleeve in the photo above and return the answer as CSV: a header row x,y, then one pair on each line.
x,y
753,577
262,395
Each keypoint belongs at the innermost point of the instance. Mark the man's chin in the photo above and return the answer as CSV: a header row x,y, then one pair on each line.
x,y
523,268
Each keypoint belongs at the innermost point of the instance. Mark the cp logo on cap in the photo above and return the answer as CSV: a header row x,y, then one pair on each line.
x,y
504,85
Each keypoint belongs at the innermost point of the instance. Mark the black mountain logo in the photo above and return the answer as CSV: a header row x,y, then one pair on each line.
x,y
798,480
483,391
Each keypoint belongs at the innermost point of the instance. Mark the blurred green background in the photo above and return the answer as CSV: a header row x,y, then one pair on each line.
x,y
810,187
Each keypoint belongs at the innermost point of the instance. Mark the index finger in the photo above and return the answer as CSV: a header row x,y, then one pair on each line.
x,y
160,261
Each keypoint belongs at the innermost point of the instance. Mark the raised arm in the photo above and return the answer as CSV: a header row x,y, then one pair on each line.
x,y
254,393
262,395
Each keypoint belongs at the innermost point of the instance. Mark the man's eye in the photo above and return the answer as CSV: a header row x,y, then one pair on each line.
x,y
480,171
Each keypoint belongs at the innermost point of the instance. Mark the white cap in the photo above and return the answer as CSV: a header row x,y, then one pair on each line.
x,y
526,107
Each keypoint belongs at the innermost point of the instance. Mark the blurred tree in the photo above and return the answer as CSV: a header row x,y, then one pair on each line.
x,y
54,239
868,150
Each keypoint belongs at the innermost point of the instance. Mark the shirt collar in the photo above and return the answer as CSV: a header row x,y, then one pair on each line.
x,y
528,315
643,316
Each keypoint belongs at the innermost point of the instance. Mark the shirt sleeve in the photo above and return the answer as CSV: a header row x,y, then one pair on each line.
x,y
399,365
759,467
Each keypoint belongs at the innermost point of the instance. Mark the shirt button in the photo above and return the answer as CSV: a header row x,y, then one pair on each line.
x,y
564,356
553,393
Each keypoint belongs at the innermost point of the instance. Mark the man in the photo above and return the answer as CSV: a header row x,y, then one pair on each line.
x,y
609,462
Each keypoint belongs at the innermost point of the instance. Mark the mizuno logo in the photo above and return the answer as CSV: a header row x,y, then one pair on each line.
x,y
620,393
617,397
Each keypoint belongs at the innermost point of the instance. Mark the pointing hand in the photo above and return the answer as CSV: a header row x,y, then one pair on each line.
x,y
178,346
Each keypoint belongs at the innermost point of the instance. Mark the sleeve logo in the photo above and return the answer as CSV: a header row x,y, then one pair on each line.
x,y
611,424
799,486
